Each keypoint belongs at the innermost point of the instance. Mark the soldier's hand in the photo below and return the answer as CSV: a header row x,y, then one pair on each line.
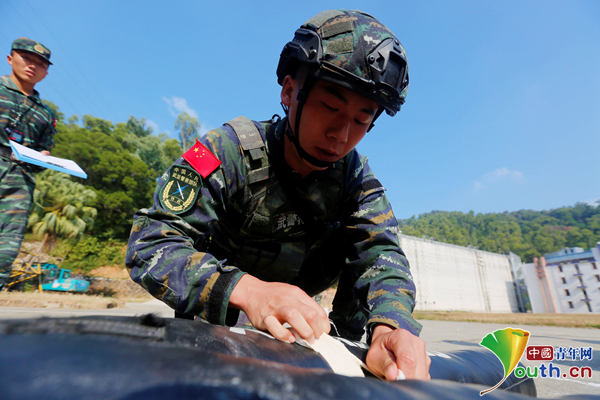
x,y
45,152
269,305
397,349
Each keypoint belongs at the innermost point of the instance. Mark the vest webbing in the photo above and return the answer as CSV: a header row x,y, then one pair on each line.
x,y
251,141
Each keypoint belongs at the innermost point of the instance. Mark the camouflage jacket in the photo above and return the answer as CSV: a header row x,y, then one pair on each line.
x,y
37,120
242,222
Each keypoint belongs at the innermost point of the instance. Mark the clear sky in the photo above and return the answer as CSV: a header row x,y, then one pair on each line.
x,y
502,113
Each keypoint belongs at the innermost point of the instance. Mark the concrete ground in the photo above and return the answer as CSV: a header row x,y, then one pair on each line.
x,y
130,309
447,336
440,336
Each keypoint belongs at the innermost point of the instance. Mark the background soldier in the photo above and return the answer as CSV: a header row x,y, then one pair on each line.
x,y
27,121
259,216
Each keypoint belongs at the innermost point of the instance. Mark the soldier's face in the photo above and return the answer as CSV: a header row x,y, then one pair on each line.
x,y
28,67
333,121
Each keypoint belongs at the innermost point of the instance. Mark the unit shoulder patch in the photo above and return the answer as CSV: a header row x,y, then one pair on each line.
x,y
181,189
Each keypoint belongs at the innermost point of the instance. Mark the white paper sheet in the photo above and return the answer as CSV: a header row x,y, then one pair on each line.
x,y
31,156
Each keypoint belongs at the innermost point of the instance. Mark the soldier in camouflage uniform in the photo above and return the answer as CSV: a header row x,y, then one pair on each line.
x,y
259,216
27,121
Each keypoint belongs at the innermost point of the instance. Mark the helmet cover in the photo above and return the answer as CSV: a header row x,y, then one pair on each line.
x,y
351,49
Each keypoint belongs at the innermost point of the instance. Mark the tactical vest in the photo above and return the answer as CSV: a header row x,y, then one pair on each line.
x,y
284,227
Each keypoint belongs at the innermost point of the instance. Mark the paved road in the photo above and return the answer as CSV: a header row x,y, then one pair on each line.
x,y
130,309
444,336
440,336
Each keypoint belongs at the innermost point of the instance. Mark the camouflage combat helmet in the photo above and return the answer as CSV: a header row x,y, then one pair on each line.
x,y
351,49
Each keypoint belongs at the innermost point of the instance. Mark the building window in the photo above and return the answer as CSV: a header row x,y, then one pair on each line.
x,y
598,278
560,268
570,304
577,268
564,281
567,292
594,266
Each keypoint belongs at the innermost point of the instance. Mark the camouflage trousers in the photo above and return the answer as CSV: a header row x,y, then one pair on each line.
x,y
16,196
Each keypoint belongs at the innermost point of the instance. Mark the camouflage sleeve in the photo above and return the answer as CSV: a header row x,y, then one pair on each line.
x,y
381,277
46,137
167,253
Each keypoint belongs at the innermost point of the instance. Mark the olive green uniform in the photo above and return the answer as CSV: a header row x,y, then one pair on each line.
x,y
34,129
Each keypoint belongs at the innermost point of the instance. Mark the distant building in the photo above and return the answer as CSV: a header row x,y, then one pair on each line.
x,y
456,278
567,281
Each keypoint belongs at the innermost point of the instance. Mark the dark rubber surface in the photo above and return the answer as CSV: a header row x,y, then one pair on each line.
x,y
153,358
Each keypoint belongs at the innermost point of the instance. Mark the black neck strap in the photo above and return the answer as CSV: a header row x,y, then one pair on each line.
x,y
295,138
285,177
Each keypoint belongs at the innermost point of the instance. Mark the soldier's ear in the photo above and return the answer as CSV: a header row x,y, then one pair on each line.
x,y
287,90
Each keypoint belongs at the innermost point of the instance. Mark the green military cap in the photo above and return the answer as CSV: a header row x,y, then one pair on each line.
x,y
32,46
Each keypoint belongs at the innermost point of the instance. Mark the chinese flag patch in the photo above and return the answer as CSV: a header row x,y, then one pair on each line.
x,y
201,159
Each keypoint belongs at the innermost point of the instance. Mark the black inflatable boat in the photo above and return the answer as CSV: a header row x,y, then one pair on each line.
x,y
149,357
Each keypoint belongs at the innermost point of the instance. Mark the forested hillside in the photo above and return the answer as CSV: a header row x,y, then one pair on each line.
x,y
527,233
123,161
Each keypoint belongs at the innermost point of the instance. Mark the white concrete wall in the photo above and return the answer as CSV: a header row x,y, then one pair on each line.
x,y
450,277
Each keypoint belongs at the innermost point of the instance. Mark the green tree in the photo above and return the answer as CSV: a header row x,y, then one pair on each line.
x,y
172,150
73,120
123,183
97,124
593,224
61,207
158,152
188,127
57,114
138,127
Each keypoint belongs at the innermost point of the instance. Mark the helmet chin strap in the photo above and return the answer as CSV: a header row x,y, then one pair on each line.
x,y
377,114
294,138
